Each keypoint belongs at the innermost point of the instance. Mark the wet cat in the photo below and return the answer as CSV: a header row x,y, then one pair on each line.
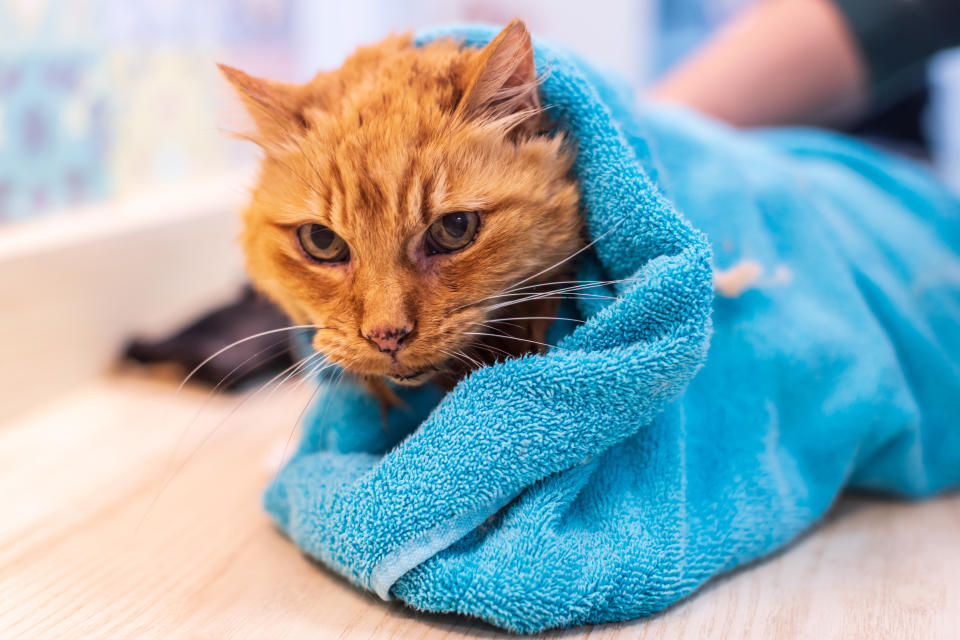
x,y
414,206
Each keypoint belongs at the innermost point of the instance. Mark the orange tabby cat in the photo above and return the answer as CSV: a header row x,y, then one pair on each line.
x,y
401,194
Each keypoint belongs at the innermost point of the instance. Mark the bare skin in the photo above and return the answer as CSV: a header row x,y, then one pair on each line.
x,y
779,62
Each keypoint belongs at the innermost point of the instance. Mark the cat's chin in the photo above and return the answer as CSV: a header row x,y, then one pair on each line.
x,y
414,379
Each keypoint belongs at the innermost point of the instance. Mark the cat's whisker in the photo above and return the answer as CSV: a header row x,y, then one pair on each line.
x,y
493,335
578,287
488,347
463,358
528,295
476,363
454,356
213,431
555,293
305,362
568,296
297,175
242,402
539,318
197,368
501,332
310,400
514,286
497,329
316,370
561,294
294,379
547,283
575,253
296,423
580,284
210,395
512,324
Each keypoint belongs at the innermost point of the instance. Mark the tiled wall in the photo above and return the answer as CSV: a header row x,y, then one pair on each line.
x,y
103,97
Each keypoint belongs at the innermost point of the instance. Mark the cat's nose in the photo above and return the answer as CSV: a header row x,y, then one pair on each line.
x,y
388,339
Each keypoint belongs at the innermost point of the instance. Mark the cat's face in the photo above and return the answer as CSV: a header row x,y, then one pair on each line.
x,y
400,192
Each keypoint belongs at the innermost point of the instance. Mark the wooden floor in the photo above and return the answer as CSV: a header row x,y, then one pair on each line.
x,y
94,542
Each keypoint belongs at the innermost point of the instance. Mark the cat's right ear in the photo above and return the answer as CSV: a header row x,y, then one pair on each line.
x,y
275,107
503,81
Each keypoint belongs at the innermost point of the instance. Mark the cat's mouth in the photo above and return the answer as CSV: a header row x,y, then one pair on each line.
x,y
413,378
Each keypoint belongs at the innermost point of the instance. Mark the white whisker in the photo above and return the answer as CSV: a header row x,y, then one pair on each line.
x,y
212,392
477,363
574,254
493,335
569,296
583,284
497,329
316,370
538,318
577,287
462,357
241,341
482,345
212,431
310,400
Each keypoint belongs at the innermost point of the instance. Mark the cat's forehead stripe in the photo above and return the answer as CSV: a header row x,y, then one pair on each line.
x,y
404,183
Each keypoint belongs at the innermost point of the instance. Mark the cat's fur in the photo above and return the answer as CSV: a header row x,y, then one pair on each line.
x,y
376,151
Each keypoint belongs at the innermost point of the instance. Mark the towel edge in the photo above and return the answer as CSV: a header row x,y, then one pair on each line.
x,y
398,562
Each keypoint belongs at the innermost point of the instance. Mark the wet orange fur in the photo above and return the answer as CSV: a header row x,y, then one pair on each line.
x,y
377,150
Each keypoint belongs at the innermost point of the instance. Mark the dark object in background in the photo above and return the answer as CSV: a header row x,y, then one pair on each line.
x,y
896,39
899,125
237,366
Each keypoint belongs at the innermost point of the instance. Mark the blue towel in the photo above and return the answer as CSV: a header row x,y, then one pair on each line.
x,y
650,450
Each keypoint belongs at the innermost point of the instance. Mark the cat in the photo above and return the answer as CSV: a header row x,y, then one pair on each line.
x,y
402,196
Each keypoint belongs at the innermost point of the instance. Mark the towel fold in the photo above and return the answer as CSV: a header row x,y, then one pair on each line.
x,y
613,475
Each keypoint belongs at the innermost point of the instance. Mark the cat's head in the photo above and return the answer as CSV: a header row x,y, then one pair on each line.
x,y
400,192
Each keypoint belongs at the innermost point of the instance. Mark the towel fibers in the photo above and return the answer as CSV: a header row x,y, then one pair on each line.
x,y
671,436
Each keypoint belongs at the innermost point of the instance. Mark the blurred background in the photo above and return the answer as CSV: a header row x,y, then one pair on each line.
x,y
131,508
118,190
103,98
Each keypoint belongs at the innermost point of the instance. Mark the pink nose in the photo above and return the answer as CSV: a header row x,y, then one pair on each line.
x,y
388,339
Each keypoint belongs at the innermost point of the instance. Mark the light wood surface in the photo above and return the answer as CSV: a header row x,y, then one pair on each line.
x,y
77,285
94,542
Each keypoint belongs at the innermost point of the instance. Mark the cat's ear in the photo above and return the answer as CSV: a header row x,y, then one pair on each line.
x,y
275,107
503,80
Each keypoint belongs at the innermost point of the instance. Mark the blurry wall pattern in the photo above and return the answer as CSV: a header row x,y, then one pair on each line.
x,y
104,98
683,24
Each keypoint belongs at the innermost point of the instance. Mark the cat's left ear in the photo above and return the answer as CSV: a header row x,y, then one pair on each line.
x,y
503,80
276,107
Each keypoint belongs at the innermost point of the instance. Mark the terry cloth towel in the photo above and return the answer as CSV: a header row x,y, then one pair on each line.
x,y
618,472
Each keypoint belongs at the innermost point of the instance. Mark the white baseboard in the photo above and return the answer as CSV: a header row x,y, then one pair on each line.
x,y
76,286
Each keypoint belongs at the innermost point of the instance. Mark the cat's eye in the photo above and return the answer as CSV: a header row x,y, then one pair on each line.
x,y
452,232
322,244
